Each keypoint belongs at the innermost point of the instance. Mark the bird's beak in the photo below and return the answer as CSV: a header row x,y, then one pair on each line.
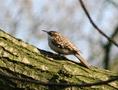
x,y
45,31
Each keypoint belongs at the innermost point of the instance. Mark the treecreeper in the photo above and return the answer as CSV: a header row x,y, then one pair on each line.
x,y
61,45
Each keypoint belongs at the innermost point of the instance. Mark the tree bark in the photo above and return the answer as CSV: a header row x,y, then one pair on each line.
x,y
21,62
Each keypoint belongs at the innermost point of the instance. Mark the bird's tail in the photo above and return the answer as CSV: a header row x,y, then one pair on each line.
x,y
82,60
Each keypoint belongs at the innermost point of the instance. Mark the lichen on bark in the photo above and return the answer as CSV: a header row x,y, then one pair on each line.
x,y
20,59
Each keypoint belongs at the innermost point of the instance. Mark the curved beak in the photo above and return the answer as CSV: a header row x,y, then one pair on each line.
x,y
45,31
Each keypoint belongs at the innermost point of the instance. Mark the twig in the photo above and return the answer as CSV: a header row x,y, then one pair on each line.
x,y
107,49
95,26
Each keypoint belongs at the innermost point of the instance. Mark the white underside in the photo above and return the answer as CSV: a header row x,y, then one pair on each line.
x,y
57,49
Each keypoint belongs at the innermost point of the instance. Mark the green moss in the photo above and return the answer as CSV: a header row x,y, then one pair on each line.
x,y
20,59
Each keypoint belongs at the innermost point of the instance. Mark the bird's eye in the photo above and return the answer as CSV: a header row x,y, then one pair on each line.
x,y
50,33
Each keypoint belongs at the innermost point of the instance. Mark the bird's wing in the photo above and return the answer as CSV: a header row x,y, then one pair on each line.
x,y
64,43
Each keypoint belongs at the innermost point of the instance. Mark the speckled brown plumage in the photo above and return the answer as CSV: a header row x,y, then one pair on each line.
x,y
62,45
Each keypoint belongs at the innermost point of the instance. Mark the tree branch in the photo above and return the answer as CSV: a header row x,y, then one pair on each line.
x,y
59,84
95,26
24,66
107,48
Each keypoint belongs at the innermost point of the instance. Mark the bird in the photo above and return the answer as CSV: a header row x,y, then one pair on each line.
x,y
63,46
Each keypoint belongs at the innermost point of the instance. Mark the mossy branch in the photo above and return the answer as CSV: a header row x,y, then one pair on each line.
x,y
21,60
